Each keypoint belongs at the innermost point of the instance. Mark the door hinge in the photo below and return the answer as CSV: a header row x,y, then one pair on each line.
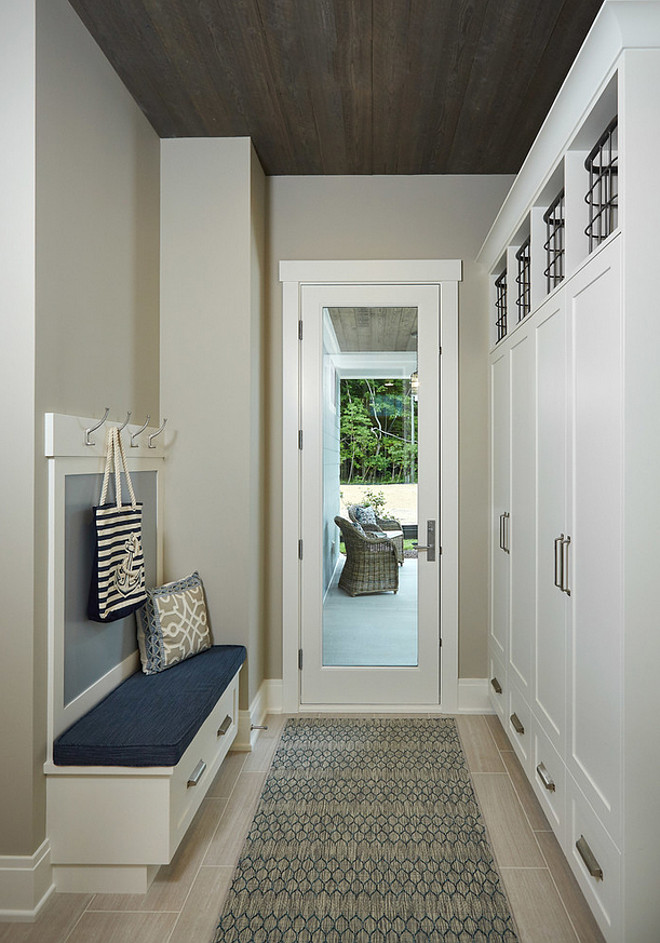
x,y
300,331
300,439
300,549
440,643
441,351
300,659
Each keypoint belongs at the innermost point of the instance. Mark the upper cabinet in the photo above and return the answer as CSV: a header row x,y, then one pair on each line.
x,y
574,212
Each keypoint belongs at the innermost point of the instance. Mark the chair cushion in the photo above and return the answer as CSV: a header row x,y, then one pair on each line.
x,y
150,720
173,624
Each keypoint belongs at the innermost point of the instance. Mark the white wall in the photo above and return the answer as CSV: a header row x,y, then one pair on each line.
x,y
212,260
396,217
80,178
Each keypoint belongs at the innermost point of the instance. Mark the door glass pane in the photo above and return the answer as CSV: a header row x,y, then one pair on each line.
x,y
369,530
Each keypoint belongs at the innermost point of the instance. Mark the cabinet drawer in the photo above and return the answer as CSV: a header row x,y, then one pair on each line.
x,y
549,780
518,725
497,686
595,861
195,770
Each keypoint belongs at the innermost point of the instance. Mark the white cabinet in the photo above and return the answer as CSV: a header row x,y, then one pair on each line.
x,y
557,401
592,693
501,503
550,646
594,573
522,523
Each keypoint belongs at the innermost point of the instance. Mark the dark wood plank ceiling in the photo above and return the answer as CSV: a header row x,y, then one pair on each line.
x,y
348,86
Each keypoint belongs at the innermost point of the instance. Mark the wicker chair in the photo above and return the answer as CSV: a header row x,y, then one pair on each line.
x,y
386,525
371,562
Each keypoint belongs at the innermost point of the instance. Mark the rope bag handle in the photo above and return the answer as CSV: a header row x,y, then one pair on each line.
x,y
115,456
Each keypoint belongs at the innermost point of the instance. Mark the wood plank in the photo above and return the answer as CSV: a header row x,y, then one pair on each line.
x,y
329,87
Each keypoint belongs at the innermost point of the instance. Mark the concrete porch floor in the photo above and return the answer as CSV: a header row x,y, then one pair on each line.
x,y
378,629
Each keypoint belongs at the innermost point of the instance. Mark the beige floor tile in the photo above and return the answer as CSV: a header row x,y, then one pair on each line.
x,y
200,915
276,724
478,744
262,754
583,920
228,840
497,732
529,802
512,839
173,881
539,912
54,923
228,773
122,928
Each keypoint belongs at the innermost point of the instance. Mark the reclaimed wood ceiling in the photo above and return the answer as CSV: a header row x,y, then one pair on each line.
x,y
348,86
375,329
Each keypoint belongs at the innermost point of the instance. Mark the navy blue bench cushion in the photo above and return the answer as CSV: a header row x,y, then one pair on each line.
x,y
150,720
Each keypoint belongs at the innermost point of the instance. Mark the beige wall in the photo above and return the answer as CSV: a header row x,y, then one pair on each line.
x,y
17,259
396,217
212,302
84,325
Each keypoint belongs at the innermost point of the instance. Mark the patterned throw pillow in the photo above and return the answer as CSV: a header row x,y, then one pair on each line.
x,y
365,515
172,625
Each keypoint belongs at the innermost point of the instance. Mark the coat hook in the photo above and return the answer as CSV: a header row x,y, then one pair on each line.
x,y
157,432
134,435
125,422
98,425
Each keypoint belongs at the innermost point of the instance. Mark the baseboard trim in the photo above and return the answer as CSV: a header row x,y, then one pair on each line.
x,y
26,883
473,696
268,700
472,699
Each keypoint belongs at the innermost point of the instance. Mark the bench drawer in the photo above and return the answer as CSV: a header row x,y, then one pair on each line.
x,y
198,766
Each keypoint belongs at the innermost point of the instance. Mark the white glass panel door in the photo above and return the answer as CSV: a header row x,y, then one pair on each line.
x,y
369,494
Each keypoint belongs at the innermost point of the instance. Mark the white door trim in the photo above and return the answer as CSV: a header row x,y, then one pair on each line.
x,y
446,274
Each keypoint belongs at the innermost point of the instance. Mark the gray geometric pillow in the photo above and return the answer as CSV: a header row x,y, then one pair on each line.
x,y
173,624
365,515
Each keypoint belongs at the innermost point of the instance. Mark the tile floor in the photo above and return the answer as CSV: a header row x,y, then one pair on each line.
x,y
183,903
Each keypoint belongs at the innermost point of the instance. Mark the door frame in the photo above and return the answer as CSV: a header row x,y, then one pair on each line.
x,y
446,274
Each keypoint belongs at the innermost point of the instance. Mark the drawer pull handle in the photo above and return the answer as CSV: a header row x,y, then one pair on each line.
x,y
197,774
517,726
589,859
224,726
545,778
496,685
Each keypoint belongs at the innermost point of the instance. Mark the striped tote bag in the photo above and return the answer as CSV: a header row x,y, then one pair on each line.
x,y
117,586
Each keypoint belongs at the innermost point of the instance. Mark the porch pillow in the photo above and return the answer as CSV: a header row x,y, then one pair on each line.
x,y
365,515
173,624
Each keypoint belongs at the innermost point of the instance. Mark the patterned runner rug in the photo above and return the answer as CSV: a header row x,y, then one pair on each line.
x,y
367,831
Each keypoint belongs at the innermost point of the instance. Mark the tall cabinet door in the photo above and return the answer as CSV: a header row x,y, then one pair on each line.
x,y
501,504
521,525
550,650
595,552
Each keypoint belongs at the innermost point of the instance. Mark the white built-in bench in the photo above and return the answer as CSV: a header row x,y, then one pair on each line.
x,y
126,779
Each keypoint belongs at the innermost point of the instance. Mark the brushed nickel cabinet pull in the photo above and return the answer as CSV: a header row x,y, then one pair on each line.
x,y
496,685
224,726
545,778
564,564
197,774
559,563
517,726
589,859
501,531
507,533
